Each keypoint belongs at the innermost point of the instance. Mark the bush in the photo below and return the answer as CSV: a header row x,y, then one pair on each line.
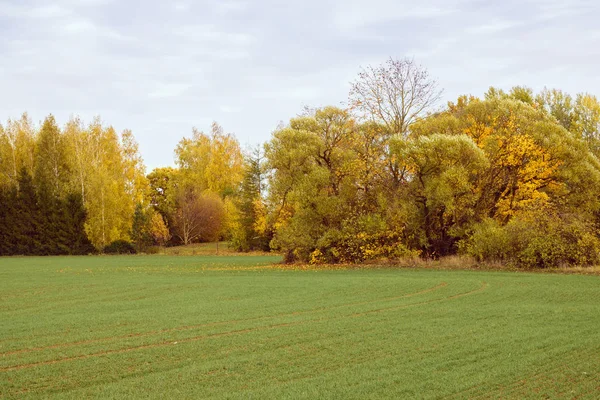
x,y
152,250
488,242
120,247
540,239
361,239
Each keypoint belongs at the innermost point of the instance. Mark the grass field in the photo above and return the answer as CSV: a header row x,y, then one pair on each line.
x,y
236,327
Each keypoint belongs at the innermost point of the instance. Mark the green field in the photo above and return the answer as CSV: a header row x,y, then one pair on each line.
x,y
237,327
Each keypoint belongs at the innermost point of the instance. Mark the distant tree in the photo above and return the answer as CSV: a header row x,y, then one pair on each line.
x,y
558,104
140,228
8,221
251,232
198,217
27,217
158,229
75,221
163,187
586,116
17,149
211,162
119,247
52,170
110,197
134,170
396,93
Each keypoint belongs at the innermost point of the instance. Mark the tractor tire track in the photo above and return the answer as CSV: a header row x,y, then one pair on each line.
x,y
239,331
217,323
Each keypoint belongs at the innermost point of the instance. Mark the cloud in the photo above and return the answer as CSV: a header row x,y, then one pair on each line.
x,y
166,90
353,14
160,68
16,10
493,27
230,109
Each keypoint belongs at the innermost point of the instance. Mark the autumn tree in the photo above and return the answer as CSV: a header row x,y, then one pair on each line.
x,y
317,192
251,231
210,162
158,229
111,183
162,192
198,217
140,228
51,164
17,149
558,104
586,121
443,170
534,162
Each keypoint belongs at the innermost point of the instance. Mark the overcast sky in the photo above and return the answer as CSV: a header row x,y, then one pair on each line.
x,y
161,67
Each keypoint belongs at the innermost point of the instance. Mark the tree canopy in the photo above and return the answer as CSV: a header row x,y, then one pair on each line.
x,y
511,176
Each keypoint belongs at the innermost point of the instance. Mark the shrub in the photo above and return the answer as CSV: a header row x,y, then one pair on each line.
x,y
539,239
488,242
543,240
152,250
120,247
361,239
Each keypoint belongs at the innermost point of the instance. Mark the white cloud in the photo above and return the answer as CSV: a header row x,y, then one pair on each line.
x,y
159,70
212,33
166,90
493,27
230,109
356,14
228,7
79,26
19,10
182,6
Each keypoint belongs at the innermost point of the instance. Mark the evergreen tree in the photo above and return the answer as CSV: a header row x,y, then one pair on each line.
x,y
248,235
75,225
8,201
140,229
27,213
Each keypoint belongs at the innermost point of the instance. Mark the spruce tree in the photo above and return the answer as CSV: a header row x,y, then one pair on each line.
x,y
75,217
140,229
27,217
248,237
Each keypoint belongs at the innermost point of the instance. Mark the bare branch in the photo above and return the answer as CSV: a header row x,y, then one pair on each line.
x,y
396,93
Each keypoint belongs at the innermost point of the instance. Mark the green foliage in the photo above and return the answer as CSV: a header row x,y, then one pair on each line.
x,y
103,168
385,178
444,171
33,222
250,231
120,247
489,241
542,240
152,250
488,160
78,241
539,239
141,235
163,187
362,238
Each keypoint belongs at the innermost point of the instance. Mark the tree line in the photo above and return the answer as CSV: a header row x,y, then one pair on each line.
x,y
511,177
66,191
